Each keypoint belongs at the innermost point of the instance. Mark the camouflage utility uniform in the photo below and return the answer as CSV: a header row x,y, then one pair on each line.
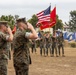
x,y
43,45
9,49
61,44
4,53
33,46
54,46
48,45
21,52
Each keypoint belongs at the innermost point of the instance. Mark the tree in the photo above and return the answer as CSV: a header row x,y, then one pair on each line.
x,y
33,20
11,19
59,24
72,21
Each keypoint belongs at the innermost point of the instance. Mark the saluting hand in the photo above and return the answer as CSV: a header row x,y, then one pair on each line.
x,y
30,27
9,30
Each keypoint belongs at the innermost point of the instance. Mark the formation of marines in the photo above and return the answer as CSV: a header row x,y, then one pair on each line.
x,y
20,42
51,44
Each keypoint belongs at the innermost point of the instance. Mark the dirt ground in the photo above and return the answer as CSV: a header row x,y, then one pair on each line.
x,y
50,65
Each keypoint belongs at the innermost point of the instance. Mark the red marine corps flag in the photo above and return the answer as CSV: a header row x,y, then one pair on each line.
x,y
53,17
52,22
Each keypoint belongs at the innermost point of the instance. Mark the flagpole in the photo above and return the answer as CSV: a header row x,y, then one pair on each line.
x,y
50,18
55,24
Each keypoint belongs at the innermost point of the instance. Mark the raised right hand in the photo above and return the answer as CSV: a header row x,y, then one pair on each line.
x,y
9,30
30,27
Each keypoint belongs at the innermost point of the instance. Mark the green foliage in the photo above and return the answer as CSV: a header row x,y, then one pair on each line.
x,y
10,19
33,20
72,21
59,24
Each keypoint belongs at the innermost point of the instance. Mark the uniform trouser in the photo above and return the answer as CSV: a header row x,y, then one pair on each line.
x,y
40,50
9,55
3,66
48,46
33,48
21,69
45,50
61,46
54,47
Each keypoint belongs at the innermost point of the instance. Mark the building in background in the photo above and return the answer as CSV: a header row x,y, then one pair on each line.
x,y
46,30
66,28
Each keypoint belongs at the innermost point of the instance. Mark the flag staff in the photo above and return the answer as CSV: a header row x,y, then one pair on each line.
x,y
50,17
55,24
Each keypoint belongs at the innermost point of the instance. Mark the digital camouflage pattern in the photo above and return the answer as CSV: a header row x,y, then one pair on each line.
x,y
9,50
33,46
60,44
60,40
42,43
3,54
48,44
54,46
21,53
3,66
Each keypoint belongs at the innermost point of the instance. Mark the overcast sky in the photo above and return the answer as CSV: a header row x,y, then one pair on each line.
x,y
26,8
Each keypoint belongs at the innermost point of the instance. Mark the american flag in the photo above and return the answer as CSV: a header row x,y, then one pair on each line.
x,y
44,15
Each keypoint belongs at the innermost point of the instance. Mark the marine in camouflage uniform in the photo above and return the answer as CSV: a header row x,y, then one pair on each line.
x,y
21,53
61,43
4,52
43,44
21,50
54,46
33,44
48,43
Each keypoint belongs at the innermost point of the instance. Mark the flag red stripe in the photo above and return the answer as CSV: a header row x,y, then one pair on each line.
x,y
42,16
53,21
